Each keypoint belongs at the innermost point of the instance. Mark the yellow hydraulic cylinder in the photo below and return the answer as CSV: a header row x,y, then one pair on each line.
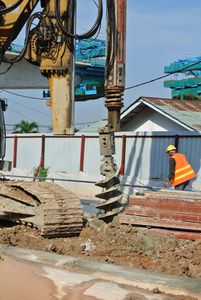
x,y
59,69
62,104
58,65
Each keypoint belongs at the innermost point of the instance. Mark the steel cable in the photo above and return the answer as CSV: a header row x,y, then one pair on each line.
x,y
86,35
28,36
10,8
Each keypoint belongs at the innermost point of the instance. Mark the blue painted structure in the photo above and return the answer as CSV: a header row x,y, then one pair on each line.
x,y
189,88
90,74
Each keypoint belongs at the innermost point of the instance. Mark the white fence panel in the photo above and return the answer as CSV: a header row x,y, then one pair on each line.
x,y
159,166
9,149
92,158
62,153
28,152
118,151
145,153
137,161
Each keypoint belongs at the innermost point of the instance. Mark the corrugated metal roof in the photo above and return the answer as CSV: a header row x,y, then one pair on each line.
x,y
186,112
94,127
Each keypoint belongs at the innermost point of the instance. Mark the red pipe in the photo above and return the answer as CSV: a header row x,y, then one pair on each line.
x,y
42,151
15,152
82,153
123,154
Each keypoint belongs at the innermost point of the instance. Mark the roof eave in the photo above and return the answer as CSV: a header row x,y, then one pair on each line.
x,y
147,103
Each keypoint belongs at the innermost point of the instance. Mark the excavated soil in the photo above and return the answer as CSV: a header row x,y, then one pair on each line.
x,y
115,244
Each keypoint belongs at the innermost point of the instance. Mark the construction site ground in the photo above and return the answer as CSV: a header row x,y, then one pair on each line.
x,y
36,275
115,244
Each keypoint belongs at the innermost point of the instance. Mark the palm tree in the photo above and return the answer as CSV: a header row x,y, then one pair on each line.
x,y
26,127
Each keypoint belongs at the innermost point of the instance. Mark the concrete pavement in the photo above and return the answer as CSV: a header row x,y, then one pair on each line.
x,y
80,278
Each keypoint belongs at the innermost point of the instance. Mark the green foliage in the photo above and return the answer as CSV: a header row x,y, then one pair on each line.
x,y
26,127
41,173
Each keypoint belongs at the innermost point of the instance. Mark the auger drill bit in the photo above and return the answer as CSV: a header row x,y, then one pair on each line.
x,y
110,195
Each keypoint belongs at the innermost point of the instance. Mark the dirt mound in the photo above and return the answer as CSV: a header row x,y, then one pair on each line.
x,y
115,244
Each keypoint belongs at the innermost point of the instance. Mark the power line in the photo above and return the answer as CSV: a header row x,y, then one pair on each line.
x,y
12,125
23,115
23,96
127,88
158,78
149,81
30,108
87,123
51,124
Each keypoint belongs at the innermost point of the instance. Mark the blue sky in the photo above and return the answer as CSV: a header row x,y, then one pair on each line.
x,y
159,32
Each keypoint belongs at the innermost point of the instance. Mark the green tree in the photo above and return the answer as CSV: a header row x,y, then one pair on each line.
x,y
26,127
41,172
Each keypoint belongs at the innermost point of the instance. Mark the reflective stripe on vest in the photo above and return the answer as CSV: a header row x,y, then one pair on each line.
x,y
183,170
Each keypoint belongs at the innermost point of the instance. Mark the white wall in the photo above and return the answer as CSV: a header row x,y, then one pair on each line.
x,y
150,120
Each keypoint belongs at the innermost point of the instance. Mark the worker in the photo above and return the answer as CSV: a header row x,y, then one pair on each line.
x,y
180,171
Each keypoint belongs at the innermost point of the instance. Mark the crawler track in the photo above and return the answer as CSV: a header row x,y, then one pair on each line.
x,y
51,208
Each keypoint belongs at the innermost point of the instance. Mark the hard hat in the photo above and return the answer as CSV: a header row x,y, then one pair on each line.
x,y
170,148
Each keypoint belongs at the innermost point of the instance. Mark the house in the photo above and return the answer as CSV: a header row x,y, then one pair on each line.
x,y
158,114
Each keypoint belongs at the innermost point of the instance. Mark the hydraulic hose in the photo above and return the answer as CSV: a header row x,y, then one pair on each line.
x,y
86,35
4,11
29,34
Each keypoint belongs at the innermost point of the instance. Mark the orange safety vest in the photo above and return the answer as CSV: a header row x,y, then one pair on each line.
x,y
183,170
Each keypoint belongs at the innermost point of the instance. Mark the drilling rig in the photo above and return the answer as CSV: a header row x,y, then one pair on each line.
x,y
50,44
114,88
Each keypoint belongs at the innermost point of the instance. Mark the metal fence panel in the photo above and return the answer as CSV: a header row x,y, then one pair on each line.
x,y
118,151
9,149
135,156
28,152
62,153
191,147
145,153
92,158
159,167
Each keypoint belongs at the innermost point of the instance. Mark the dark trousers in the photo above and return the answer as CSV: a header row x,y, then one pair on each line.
x,y
182,185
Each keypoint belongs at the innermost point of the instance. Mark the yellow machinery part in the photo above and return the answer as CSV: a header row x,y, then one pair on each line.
x,y
61,104
13,22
